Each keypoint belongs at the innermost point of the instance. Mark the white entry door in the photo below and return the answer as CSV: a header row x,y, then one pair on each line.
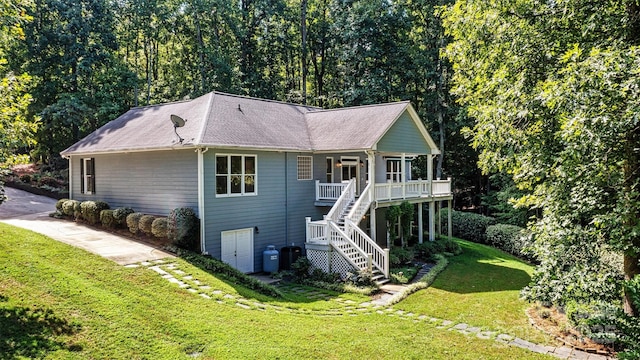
x,y
237,249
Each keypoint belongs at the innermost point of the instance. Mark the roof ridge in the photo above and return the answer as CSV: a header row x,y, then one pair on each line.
x,y
163,104
364,106
264,100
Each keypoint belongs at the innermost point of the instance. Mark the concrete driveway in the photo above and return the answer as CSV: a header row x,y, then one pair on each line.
x,y
31,212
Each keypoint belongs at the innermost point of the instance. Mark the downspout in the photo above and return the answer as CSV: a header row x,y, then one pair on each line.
x,y
286,198
70,159
201,198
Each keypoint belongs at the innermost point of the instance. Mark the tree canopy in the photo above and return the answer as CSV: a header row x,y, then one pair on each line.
x,y
553,89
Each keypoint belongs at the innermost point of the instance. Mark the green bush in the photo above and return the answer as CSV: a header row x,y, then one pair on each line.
x,y
301,269
159,227
91,210
120,216
133,220
69,207
59,204
26,178
48,181
468,226
106,218
399,256
183,228
144,225
510,238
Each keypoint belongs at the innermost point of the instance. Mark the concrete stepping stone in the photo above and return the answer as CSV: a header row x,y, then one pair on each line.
x,y
461,326
188,277
205,296
159,270
191,290
504,338
132,266
216,292
229,296
179,272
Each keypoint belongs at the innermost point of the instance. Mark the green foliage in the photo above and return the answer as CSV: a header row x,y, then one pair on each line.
x,y
133,220
106,219
423,283
402,275
48,181
512,239
428,249
301,269
159,227
69,207
361,279
399,256
500,201
468,226
183,228
120,216
91,210
26,178
145,224
59,204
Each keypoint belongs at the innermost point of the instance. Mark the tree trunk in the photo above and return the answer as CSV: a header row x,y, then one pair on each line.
x,y
631,269
303,30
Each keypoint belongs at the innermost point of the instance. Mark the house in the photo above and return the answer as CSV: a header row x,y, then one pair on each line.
x,y
260,172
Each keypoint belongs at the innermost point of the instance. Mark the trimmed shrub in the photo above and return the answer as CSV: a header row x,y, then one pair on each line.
x,y
120,216
59,204
133,220
183,228
428,249
91,210
145,224
510,238
468,226
106,218
69,207
159,227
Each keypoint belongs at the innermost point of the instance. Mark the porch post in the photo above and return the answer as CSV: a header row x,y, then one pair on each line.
x,y
420,228
372,183
403,170
432,221
430,173
450,230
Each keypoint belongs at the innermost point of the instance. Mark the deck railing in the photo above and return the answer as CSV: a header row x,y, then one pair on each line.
x,y
329,191
346,198
361,206
412,189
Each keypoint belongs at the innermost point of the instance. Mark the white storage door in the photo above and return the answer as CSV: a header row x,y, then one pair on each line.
x,y
237,249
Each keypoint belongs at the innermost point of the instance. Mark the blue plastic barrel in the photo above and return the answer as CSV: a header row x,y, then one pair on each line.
x,y
270,259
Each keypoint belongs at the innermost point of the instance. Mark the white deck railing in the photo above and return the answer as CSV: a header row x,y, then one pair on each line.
x,y
378,256
329,191
346,198
412,189
361,206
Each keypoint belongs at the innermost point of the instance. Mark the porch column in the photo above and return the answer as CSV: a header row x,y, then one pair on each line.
x,y
403,170
371,157
450,230
432,221
430,173
420,226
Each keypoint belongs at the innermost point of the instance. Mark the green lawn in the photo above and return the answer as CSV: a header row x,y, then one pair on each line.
x,y
60,302
480,287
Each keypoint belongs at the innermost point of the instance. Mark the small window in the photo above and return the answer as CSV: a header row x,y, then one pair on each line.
x,y
87,176
305,168
235,175
329,170
394,170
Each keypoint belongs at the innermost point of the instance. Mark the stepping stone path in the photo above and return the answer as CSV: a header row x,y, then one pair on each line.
x,y
171,272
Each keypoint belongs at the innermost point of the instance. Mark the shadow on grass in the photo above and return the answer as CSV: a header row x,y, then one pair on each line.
x,y
481,268
31,332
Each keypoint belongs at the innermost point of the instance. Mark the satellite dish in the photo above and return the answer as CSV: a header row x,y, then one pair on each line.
x,y
177,121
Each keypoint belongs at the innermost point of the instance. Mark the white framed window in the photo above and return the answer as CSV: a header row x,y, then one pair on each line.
x,y
87,176
305,168
394,170
236,175
329,170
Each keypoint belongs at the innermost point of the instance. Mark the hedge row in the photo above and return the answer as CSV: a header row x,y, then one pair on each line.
x,y
181,227
484,230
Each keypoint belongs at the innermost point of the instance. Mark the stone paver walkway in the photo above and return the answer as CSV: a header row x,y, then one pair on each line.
x,y
170,270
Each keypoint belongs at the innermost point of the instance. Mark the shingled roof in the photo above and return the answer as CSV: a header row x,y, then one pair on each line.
x,y
223,120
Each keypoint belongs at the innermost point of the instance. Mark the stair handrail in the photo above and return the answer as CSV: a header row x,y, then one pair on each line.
x,y
347,196
380,256
333,227
361,206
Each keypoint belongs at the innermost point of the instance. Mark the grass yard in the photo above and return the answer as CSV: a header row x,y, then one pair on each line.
x,y
480,287
60,302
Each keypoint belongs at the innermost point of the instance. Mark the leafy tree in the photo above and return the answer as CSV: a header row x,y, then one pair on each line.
x,y
552,87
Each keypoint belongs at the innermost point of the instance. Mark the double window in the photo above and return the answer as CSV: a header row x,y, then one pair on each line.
x,y
394,170
87,176
236,175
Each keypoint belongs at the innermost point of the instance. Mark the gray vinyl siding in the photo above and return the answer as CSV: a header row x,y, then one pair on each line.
x,y
278,210
404,136
149,182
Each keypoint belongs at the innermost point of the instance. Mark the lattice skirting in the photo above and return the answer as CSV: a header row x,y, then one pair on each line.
x,y
323,257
